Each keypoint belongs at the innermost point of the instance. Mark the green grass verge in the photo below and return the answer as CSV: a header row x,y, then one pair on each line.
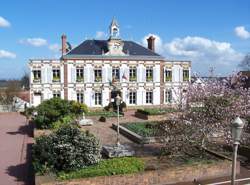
x,y
145,129
156,111
125,165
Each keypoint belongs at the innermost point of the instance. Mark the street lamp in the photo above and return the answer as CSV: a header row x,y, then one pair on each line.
x,y
118,103
237,126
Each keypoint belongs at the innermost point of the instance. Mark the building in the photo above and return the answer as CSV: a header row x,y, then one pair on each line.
x,y
96,70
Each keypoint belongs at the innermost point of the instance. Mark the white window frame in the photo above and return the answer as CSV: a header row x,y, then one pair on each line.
x,y
98,98
79,74
165,75
132,97
132,74
149,97
168,96
56,74
37,75
149,73
56,94
98,74
80,97
116,73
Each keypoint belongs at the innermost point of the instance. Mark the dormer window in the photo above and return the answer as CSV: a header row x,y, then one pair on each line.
x,y
36,76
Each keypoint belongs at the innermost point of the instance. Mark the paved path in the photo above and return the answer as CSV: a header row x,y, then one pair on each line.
x,y
15,150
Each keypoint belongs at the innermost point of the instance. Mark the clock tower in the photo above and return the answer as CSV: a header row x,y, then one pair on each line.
x,y
115,44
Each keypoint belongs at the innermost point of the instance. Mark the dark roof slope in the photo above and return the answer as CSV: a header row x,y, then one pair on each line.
x,y
97,47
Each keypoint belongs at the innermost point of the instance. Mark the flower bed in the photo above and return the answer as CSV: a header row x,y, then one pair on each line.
x,y
140,132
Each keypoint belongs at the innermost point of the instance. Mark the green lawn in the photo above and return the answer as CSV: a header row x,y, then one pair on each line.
x,y
145,129
108,167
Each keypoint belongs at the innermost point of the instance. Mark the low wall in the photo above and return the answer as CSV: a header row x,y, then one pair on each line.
x,y
150,117
135,137
156,177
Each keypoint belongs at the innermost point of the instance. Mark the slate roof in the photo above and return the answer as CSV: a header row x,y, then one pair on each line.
x,y
97,47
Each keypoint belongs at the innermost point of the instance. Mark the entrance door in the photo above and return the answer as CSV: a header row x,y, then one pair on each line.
x,y
37,98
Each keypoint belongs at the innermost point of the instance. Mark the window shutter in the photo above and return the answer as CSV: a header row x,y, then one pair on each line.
x,y
143,77
86,74
43,75
104,74
121,73
91,74
109,74
73,74
138,71
49,73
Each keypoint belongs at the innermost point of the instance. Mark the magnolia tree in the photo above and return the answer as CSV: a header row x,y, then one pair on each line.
x,y
208,112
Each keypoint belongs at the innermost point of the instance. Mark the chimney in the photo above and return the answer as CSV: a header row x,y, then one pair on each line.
x,y
64,44
151,43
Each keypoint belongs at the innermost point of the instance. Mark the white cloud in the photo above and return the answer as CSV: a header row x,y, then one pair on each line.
x,y
7,54
4,22
100,35
203,53
54,47
36,42
241,32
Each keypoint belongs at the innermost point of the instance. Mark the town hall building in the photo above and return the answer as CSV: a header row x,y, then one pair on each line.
x,y
94,70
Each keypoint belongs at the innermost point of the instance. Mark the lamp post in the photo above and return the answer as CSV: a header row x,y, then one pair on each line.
x,y
118,103
237,126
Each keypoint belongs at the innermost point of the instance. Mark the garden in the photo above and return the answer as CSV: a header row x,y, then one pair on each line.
x,y
196,135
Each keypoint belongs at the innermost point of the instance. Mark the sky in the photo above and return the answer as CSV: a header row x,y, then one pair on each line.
x,y
211,33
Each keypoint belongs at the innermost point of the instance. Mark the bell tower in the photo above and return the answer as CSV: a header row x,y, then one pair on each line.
x,y
114,29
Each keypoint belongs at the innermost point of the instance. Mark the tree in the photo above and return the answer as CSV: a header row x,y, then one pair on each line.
x,y
67,149
25,81
245,63
208,112
11,90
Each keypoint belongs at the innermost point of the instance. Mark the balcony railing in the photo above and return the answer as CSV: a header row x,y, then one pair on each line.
x,y
56,79
79,79
37,80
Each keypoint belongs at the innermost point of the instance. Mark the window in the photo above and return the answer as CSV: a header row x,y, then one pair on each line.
x,y
37,76
79,75
116,74
149,97
56,94
98,75
132,97
98,98
168,75
56,75
185,75
149,74
80,97
132,74
168,96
